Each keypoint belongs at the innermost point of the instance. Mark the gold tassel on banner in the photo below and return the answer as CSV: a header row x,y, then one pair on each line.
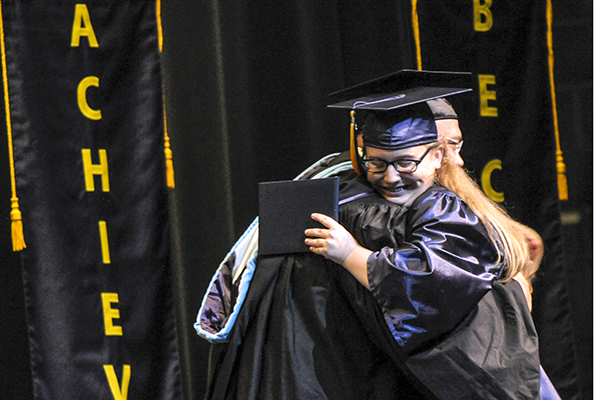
x,y
170,171
18,239
16,225
159,26
169,161
415,23
561,168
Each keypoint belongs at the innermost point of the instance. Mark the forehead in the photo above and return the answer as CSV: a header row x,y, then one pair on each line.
x,y
448,128
409,152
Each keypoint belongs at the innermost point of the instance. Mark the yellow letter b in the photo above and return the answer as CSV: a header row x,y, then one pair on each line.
x,y
480,12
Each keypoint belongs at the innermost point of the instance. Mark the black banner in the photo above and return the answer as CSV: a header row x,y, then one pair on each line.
x,y
83,85
510,134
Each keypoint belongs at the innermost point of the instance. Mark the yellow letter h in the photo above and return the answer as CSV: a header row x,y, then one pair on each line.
x,y
89,169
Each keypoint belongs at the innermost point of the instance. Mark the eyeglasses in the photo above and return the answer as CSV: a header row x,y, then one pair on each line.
x,y
403,165
456,143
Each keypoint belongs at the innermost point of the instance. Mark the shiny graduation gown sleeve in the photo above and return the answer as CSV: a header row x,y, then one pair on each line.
x,y
461,332
433,269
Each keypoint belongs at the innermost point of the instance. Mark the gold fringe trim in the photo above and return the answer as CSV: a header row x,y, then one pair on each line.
x,y
18,239
561,168
415,23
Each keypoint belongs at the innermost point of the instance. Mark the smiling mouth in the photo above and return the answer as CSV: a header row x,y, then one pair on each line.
x,y
397,189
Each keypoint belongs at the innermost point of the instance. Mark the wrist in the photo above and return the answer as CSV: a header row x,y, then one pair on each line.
x,y
359,255
356,264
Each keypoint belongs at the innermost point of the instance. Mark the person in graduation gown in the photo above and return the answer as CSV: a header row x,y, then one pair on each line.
x,y
447,125
414,297
433,273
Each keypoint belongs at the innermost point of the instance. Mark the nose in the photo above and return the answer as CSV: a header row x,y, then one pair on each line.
x,y
391,175
458,160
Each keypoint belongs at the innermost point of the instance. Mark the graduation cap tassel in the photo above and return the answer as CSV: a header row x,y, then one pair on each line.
x,y
353,149
18,239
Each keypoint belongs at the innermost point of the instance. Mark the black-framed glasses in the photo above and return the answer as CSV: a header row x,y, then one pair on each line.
x,y
403,165
456,143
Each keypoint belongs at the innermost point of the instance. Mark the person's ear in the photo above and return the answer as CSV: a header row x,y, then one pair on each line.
x,y
438,155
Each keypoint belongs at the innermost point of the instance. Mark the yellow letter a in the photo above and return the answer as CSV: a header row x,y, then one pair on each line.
x,y
119,393
82,26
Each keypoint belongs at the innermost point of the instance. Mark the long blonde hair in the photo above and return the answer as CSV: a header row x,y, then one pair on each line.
x,y
506,233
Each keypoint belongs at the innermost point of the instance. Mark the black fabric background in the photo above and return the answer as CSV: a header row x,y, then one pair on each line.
x,y
254,110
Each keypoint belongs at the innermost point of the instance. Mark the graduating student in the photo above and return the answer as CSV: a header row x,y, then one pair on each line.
x,y
410,296
446,122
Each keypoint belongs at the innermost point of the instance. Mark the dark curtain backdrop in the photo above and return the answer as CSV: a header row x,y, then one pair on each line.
x,y
246,88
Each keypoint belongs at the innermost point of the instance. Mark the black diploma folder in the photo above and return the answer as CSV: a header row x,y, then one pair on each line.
x,y
284,210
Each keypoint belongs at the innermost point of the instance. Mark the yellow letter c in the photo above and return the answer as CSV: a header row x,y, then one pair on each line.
x,y
82,100
486,180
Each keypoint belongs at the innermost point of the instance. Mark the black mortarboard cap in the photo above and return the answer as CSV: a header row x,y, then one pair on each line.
x,y
400,89
398,116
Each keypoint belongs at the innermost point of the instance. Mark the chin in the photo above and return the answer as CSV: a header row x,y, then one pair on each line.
x,y
400,200
406,197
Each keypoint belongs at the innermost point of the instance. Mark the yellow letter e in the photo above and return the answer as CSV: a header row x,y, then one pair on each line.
x,y
110,314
